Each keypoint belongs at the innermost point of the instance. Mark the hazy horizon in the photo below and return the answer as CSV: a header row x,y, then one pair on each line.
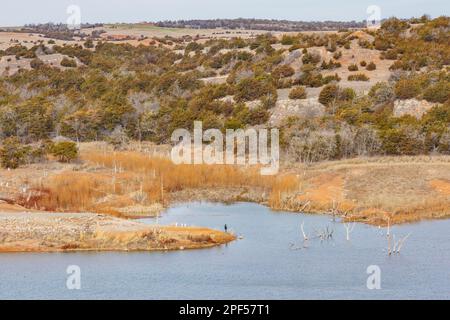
x,y
21,12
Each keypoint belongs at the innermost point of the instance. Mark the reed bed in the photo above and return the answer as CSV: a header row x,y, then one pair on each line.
x,y
112,180
116,182
283,187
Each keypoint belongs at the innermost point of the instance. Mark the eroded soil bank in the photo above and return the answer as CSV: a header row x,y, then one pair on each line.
x,y
119,186
373,190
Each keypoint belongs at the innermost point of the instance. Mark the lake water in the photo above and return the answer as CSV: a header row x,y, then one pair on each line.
x,y
261,265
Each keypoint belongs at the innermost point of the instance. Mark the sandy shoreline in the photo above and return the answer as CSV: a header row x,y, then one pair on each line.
x,y
61,232
367,190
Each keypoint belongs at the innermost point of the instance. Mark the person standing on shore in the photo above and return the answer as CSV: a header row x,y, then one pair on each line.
x,y
226,228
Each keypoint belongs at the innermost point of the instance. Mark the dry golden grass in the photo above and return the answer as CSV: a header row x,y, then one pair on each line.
x,y
24,232
403,189
120,179
162,172
282,186
79,192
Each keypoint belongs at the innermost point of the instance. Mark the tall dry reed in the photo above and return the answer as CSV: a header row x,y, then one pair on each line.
x,y
118,179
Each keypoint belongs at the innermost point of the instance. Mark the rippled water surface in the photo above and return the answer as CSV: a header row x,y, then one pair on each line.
x,y
261,265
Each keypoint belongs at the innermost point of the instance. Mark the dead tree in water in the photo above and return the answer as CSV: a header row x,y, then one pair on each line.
x,y
305,239
335,210
401,242
325,234
388,235
349,229
322,234
305,236
398,244
394,247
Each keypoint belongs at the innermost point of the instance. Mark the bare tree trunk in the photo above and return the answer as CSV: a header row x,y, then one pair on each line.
x,y
401,242
394,244
389,236
305,237
349,229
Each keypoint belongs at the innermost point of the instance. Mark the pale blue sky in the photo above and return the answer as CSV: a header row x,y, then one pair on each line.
x,y
19,12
